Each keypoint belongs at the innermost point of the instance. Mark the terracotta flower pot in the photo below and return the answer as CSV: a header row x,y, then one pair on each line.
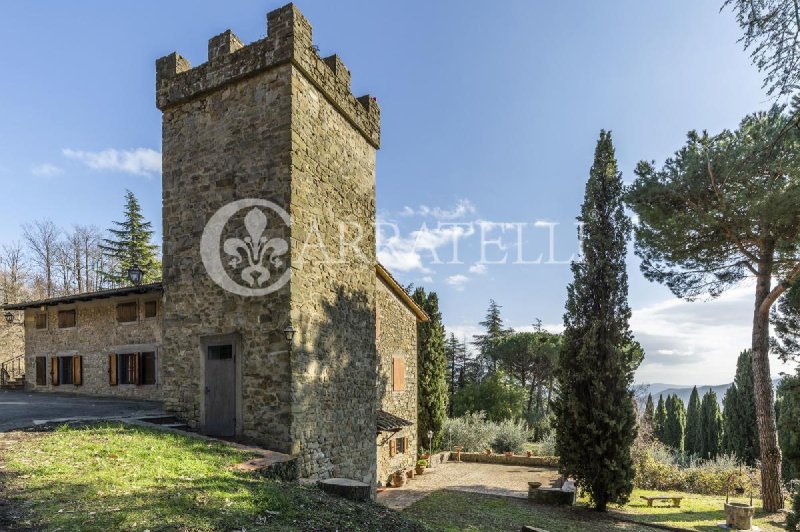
x,y
398,479
488,452
420,469
529,454
509,454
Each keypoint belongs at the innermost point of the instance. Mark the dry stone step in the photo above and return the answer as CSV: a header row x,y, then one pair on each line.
x,y
347,488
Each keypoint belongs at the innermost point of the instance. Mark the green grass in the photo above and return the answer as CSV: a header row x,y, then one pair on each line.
x,y
697,512
116,477
455,511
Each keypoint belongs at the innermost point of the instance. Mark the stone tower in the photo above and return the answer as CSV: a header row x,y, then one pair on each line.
x,y
264,144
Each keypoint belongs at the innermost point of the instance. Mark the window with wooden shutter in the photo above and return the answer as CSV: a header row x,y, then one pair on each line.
x,y
150,309
392,447
398,374
54,371
41,371
401,445
127,312
112,370
66,369
41,320
66,319
77,370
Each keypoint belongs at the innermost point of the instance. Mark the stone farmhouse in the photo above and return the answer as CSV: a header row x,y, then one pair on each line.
x,y
268,160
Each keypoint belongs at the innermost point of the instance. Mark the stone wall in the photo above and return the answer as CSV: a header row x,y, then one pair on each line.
x,y
12,338
397,337
97,335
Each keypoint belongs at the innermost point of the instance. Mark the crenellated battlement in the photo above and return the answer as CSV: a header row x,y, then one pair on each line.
x,y
288,41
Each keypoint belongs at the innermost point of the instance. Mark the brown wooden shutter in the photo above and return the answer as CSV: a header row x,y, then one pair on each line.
x,y
41,371
405,445
398,374
77,366
136,360
112,370
54,371
392,447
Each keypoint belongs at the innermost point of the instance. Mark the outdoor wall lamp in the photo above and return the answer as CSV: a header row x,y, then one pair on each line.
x,y
9,317
288,333
135,274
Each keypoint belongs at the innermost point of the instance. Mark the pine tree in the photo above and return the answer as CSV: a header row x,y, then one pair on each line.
x,y
131,245
675,423
431,369
710,426
595,412
693,428
659,419
493,325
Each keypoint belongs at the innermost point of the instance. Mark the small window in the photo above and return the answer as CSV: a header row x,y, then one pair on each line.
x,y
150,309
127,368
65,370
401,445
41,320
127,312
132,368
398,374
220,352
66,319
41,371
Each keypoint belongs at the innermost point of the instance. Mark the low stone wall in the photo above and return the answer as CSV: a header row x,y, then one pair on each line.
x,y
540,461
441,458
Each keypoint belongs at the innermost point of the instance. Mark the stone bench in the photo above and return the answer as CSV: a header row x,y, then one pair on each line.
x,y
676,501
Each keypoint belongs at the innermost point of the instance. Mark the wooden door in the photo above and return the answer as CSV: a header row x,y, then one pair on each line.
x,y
220,391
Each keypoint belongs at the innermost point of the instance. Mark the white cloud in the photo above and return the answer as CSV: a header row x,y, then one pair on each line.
x,y
695,342
478,268
138,161
462,208
427,279
405,253
457,281
46,170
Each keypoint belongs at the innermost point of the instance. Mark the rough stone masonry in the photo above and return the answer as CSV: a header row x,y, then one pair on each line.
x,y
273,120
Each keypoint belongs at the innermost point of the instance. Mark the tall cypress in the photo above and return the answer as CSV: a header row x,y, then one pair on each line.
x,y
131,244
431,370
693,430
675,423
746,430
729,419
649,412
595,412
659,419
711,426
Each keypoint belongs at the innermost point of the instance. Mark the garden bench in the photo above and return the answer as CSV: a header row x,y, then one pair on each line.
x,y
676,501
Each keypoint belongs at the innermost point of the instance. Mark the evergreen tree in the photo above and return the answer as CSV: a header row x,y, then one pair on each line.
x,y
595,412
675,423
740,413
649,412
456,353
431,369
729,419
693,426
493,325
659,419
710,426
788,406
131,244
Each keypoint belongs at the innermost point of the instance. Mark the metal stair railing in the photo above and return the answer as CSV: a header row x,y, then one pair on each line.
x,y
12,369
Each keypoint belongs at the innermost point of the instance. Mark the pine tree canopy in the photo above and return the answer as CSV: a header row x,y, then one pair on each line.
x,y
431,369
595,411
131,245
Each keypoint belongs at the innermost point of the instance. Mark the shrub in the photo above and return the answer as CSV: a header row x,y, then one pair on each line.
x,y
471,431
793,517
547,445
510,436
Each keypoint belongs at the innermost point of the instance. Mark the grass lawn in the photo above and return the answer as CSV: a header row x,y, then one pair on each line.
x,y
448,510
116,477
697,512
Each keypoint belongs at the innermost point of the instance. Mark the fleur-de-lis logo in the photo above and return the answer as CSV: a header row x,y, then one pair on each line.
x,y
256,248
255,259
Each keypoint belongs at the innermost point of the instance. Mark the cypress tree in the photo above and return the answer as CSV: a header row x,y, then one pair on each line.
x,y
431,370
745,436
693,428
659,419
649,411
729,419
595,412
710,426
130,244
675,423
788,406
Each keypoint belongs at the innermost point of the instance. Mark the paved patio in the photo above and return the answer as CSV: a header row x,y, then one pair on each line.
x,y
492,479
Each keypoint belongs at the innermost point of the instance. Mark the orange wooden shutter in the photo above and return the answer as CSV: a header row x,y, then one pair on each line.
x,y
405,444
77,366
112,370
398,374
54,371
392,447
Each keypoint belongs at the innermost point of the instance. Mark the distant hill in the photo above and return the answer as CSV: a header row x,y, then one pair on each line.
x,y
684,392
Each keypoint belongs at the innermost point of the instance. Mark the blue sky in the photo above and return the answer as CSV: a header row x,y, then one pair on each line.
x,y
490,112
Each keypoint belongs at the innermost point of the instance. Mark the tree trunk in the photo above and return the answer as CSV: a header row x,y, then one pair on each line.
x,y
765,403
